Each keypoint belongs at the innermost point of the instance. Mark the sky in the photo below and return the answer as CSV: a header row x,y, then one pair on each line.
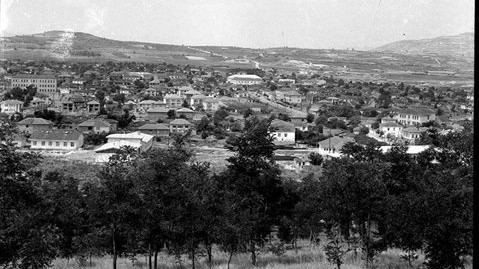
x,y
320,24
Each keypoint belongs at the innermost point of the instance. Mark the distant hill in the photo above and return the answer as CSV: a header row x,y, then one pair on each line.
x,y
461,45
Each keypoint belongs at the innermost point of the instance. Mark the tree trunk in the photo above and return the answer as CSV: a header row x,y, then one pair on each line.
x,y
253,253
229,259
156,259
209,251
114,246
192,246
89,255
149,256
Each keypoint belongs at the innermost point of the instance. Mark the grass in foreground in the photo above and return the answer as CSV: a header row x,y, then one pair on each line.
x,y
305,257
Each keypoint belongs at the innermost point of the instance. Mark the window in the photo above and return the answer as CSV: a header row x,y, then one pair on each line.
x,y
34,143
64,144
285,135
43,143
72,144
49,143
57,144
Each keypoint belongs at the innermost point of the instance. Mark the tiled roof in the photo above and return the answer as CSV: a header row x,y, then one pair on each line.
x,y
335,142
180,122
134,135
12,102
94,123
158,110
154,126
282,126
34,121
56,134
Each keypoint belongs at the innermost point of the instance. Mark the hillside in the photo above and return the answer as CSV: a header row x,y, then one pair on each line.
x,y
461,45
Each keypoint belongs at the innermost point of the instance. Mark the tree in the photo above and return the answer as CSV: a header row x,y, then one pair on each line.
x,y
284,117
247,112
310,118
171,114
185,104
115,207
251,185
120,98
315,158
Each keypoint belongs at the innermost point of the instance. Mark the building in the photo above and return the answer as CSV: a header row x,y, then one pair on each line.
x,y
415,115
93,107
44,84
137,140
97,126
180,126
284,132
185,112
391,129
411,134
59,139
11,106
244,80
156,114
333,145
173,101
155,129
30,125
292,97
211,104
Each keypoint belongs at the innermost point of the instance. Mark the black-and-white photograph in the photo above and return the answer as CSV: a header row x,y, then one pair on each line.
x,y
236,134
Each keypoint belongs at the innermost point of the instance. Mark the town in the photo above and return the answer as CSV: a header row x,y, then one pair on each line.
x,y
90,110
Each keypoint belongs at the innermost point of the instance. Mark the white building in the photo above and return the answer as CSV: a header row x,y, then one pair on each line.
x,y
137,140
391,129
244,80
11,106
284,132
56,139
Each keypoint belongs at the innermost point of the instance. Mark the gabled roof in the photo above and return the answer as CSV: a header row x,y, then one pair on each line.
x,y
172,96
154,126
94,123
282,126
158,110
12,102
335,142
133,135
184,110
93,103
146,102
415,129
56,134
34,121
180,122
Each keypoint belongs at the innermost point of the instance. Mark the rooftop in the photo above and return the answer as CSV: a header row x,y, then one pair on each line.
x,y
34,121
56,134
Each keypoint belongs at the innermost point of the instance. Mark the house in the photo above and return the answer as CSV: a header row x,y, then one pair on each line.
x,y
412,150
97,126
137,140
155,129
57,139
415,115
186,112
173,101
197,100
244,80
412,133
11,106
303,126
284,132
154,91
333,145
32,124
210,104
146,104
180,126
156,114
93,107
292,97
300,162
391,129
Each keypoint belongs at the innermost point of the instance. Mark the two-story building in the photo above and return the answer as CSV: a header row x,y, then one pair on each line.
x,y
415,115
44,84
180,126
97,126
173,101
29,125
11,106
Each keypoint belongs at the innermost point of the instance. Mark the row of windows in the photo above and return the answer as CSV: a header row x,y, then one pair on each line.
x,y
39,85
34,80
285,135
57,144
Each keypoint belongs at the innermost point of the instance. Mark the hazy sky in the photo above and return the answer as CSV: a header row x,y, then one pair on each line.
x,y
247,23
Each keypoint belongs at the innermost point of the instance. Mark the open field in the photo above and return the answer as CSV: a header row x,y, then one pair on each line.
x,y
305,257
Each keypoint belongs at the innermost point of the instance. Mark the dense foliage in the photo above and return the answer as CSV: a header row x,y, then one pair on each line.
x,y
161,200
